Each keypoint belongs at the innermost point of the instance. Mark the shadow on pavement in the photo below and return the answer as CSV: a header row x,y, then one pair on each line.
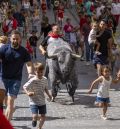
x,y
22,127
80,99
17,107
48,118
113,119
22,118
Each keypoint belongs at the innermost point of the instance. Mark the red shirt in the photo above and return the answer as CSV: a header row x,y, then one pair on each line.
x,y
68,28
82,21
60,12
43,6
4,123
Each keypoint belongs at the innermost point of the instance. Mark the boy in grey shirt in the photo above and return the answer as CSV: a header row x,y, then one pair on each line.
x,y
35,89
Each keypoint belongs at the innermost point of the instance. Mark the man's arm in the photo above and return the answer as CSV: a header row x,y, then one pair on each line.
x,y
42,50
42,45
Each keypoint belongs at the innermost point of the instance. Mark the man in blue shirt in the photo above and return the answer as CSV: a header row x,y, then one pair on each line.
x,y
13,56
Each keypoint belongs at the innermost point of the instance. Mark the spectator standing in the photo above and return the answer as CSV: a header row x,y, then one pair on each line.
x,y
67,29
19,16
9,24
44,7
85,32
60,14
115,10
88,7
45,26
55,8
33,43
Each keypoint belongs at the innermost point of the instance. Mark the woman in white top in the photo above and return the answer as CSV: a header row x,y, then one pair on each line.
x,y
105,80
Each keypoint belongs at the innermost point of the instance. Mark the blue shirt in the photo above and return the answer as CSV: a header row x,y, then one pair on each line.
x,y
13,61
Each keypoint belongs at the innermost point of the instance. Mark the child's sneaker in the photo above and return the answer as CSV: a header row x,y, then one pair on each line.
x,y
34,123
104,117
98,53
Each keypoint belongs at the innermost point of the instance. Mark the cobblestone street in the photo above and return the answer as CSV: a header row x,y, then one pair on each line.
x,y
63,114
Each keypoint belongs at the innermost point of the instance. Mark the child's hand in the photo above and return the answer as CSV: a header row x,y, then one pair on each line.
x,y
31,93
50,98
90,91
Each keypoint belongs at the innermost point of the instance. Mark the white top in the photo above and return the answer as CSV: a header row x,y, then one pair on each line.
x,y
37,86
92,36
98,10
115,9
103,89
26,5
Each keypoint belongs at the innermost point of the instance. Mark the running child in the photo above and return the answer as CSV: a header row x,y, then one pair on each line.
x,y
35,89
105,80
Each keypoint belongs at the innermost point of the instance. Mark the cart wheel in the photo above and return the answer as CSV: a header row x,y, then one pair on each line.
x,y
73,98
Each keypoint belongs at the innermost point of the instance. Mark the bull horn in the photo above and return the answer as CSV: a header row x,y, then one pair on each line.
x,y
76,56
52,56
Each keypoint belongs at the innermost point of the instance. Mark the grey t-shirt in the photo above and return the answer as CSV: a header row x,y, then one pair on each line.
x,y
37,86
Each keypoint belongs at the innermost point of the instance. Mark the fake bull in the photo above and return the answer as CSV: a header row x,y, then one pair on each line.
x,y
61,62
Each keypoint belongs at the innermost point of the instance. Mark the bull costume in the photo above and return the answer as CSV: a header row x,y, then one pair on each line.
x,y
60,62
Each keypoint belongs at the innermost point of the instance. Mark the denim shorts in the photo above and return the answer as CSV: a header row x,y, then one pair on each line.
x,y
12,87
35,109
102,100
99,59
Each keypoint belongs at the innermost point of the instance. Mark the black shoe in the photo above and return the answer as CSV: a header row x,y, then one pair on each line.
x,y
34,123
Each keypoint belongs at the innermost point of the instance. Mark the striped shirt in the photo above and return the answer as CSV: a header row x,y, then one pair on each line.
x,y
37,86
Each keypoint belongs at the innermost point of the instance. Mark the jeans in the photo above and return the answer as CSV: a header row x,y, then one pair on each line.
x,y
87,49
91,51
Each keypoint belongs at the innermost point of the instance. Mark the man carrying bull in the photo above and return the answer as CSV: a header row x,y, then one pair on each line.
x,y
54,34
60,62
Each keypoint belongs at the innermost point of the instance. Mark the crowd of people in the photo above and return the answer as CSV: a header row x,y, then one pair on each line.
x,y
94,38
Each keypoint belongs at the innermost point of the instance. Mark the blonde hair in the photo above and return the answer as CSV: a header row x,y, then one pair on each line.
x,y
94,23
38,66
3,39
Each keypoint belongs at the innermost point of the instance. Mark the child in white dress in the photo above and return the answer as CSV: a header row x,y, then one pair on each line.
x,y
105,80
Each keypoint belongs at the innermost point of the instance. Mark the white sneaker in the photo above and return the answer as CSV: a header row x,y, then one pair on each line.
x,y
98,53
104,117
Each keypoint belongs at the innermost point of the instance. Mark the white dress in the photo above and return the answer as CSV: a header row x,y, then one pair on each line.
x,y
103,89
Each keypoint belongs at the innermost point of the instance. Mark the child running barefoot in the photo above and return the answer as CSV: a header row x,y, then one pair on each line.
x,y
104,81
35,89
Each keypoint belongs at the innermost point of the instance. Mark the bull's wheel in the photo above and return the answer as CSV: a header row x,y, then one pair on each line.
x,y
70,90
73,98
